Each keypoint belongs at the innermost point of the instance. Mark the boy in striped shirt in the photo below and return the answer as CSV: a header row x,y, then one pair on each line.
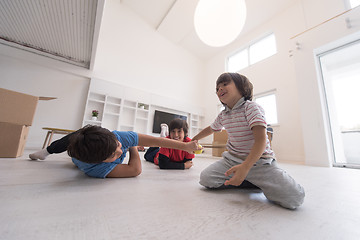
x,y
249,161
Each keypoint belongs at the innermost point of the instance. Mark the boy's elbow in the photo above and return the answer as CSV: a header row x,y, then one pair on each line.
x,y
137,171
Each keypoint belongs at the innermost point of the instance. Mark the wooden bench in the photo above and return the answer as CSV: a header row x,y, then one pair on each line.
x,y
52,131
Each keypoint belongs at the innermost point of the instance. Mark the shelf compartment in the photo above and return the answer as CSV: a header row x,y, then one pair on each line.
x,y
142,114
195,117
141,125
126,128
97,97
129,104
127,116
194,123
94,105
113,101
143,106
113,109
110,122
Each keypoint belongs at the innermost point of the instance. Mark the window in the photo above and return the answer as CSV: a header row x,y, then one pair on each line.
x,y
238,61
340,74
354,3
251,54
268,102
262,49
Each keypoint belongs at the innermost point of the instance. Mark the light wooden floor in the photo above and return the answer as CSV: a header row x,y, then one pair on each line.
x,y
51,200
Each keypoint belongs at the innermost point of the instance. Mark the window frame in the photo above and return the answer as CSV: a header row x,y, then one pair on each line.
x,y
265,94
348,5
247,48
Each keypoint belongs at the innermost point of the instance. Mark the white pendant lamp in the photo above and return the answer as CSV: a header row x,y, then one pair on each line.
x,y
219,22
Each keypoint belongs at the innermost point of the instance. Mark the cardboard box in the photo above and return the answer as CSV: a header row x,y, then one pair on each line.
x,y
217,152
17,108
219,138
12,139
17,112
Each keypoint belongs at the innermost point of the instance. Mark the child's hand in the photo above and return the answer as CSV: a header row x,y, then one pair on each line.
x,y
188,164
239,174
192,146
199,151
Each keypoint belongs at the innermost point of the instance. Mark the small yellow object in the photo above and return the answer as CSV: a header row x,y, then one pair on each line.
x,y
198,151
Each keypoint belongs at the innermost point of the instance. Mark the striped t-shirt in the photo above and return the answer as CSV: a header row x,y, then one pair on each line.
x,y
238,122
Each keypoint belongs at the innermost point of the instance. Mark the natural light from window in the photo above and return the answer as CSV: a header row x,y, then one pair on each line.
x,y
262,49
238,61
268,102
251,54
348,119
354,3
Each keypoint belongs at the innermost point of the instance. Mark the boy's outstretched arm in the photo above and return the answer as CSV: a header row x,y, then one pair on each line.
x,y
132,169
150,141
204,133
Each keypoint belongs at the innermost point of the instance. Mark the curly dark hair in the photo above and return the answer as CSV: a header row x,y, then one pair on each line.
x,y
242,83
92,144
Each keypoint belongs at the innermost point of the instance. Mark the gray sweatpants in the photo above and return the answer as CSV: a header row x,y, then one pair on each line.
x,y
275,183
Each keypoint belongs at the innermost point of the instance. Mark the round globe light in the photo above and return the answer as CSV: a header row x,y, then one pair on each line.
x,y
219,22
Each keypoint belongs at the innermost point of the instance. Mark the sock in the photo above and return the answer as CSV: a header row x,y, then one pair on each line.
x,y
41,155
164,130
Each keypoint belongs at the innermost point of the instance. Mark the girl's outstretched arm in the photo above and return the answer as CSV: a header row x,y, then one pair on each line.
x,y
150,141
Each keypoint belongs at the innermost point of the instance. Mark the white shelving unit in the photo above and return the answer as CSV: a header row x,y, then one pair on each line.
x,y
95,102
117,113
126,109
196,121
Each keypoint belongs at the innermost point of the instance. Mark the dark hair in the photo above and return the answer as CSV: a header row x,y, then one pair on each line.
x,y
92,144
242,83
179,123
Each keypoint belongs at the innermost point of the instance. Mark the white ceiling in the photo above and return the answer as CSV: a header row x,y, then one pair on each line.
x,y
174,19
67,30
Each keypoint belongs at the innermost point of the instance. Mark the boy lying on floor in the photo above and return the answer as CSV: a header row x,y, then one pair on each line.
x,y
99,153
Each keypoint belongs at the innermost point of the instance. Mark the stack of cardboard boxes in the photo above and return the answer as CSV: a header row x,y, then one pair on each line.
x,y
17,112
220,138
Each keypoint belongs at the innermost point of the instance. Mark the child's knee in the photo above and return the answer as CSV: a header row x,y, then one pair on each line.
x,y
298,200
294,200
204,179
207,180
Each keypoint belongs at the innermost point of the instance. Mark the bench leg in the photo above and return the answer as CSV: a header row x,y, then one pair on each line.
x,y
51,135
46,139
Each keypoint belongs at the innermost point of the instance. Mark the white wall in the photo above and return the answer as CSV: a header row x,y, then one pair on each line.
x,y
70,90
129,52
278,72
132,53
313,110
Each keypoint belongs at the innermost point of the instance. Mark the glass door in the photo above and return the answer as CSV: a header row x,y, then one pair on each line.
x,y
340,69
